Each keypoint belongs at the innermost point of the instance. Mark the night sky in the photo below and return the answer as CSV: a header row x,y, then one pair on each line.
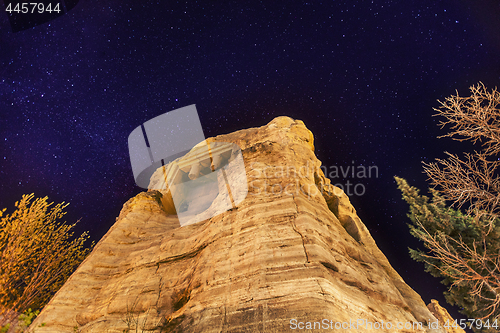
x,y
363,76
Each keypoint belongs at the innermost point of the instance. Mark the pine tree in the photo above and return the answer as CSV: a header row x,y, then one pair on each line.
x,y
458,250
464,248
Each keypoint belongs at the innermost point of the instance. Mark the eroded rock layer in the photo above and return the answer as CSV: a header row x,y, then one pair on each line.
x,y
293,253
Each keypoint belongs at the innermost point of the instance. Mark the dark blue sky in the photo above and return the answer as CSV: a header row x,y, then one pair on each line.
x,y
363,76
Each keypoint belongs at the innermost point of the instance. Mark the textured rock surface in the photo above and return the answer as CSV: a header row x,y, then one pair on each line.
x,y
444,317
294,249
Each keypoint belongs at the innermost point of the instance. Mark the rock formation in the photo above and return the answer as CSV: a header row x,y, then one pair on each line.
x,y
444,317
292,255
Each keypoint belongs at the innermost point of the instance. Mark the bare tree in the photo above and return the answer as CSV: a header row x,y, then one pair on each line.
x,y
464,249
474,181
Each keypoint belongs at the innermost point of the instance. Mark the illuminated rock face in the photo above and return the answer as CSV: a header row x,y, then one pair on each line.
x,y
444,317
293,254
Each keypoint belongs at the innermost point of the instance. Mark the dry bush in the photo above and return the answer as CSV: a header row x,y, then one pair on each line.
x,y
37,255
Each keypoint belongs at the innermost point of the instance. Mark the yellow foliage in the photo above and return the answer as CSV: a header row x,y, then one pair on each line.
x,y
37,254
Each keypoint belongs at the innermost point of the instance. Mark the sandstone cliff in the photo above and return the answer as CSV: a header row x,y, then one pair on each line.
x,y
292,255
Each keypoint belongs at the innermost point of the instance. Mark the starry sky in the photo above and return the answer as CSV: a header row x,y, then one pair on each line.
x,y
363,76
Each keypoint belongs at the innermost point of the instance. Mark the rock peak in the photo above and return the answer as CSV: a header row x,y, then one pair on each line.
x,y
293,253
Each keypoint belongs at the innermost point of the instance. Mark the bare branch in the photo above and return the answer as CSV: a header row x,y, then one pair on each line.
x,y
466,265
474,118
474,182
